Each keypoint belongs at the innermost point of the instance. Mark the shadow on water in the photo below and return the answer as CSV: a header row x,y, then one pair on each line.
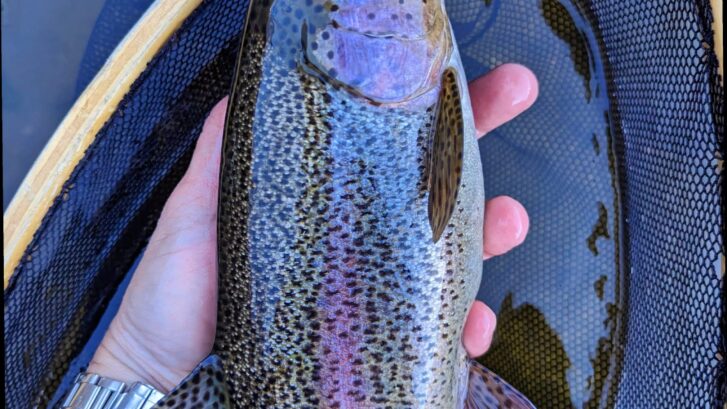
x,y
523,339
563,25
568,317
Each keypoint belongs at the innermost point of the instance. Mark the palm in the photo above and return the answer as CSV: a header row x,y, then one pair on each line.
x,y
184,287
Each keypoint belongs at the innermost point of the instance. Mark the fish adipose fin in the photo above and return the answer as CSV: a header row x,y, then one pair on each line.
x,y
204,388
485,390
445,167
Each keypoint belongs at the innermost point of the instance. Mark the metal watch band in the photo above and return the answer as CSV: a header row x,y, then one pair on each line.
x,y
92,391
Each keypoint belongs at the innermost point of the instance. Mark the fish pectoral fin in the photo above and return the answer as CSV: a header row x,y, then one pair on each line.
x,y
204,387
445,158
485,390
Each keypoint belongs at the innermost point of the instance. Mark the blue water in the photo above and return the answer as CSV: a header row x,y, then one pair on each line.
x,y
45,66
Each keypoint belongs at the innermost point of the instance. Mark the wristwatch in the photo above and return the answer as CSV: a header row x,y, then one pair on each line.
x,y
92,391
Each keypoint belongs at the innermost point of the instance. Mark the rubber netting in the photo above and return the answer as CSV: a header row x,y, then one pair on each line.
x,y
108,207
613,300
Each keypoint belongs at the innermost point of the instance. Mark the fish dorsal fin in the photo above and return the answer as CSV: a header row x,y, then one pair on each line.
x,y
204,388
445,167
485,390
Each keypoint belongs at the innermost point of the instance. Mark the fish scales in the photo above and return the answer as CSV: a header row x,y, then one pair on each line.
x,y
350,215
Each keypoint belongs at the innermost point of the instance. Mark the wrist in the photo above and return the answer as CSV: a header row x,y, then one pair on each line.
x,y
108,366
124,356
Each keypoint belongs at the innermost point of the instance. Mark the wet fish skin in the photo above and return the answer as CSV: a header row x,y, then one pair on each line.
x,y
350,216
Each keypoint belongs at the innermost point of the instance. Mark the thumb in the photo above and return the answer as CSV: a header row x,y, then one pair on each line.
x,y
193,203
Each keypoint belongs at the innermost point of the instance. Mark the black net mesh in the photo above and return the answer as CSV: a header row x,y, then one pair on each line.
x,y
613,300
670,117
109,206
618,165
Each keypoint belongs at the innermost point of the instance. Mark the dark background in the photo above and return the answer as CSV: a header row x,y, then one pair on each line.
x,y
44,46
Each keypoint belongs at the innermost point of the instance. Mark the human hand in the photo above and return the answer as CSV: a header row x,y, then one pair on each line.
x,y
166,322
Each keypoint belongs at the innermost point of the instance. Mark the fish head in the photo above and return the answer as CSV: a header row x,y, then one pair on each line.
x,y
387,51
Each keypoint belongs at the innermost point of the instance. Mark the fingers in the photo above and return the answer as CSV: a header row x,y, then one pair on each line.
x,y
506,225
498,97
478,329
501,95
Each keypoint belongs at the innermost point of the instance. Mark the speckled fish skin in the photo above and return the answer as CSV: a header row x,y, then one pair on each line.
x,y
351,211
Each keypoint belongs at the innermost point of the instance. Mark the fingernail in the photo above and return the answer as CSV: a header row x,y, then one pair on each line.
x,y
511,223
487,330
518,84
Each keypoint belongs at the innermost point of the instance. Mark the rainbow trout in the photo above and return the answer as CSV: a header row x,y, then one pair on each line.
x,y
350,216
